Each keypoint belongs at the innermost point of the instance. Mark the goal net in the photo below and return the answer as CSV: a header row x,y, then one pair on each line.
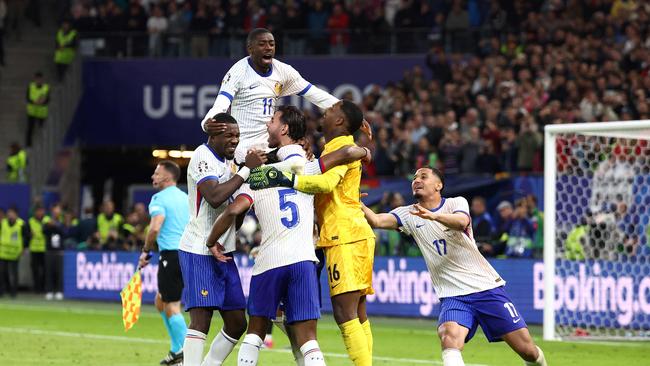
x,y
596,233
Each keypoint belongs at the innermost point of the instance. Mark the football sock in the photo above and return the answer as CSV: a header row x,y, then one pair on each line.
x,y
249,350
452,357
355,342
169,330
366,329
193,348
312,354
177,330
220,348
540,361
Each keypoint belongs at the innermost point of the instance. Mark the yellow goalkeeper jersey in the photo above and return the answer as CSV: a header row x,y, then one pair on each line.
x,y
337,200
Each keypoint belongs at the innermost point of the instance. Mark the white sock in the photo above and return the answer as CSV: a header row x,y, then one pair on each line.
x,y
249,350
312,354
540,361
297,356
452,357
193,348
220,348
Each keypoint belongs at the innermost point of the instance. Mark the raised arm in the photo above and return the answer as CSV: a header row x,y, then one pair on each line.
x,y
456,221
380,221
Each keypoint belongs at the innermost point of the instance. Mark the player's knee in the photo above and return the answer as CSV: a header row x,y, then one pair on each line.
x,y
528,352
450,337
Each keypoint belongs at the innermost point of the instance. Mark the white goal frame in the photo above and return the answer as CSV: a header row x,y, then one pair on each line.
x,y
550,176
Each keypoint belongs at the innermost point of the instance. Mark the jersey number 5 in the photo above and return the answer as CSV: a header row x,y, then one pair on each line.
x,y
294,219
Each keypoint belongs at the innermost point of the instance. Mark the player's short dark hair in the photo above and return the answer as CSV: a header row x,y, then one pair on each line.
x,y
252,36
172,168
353,115
295,119
224,118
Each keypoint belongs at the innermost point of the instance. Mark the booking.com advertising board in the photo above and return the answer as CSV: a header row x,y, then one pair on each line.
x,y
161,102
619,296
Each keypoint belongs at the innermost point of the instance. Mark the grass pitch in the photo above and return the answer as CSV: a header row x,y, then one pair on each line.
x,y
38,332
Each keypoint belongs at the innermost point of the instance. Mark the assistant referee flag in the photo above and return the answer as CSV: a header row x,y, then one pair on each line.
x,y
131,296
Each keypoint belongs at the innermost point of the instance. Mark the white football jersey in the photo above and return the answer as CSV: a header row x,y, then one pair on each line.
x,y
286,218
455,264
254,97
205,165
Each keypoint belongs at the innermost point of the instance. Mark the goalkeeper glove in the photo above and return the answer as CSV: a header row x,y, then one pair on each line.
x,y
267,176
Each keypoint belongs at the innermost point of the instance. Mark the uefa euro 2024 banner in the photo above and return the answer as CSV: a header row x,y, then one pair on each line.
x,y
599,293
161,102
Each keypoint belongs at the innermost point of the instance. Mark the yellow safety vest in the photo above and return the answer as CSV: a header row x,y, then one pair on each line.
x,y
65,53
17,164
36,93
104,225
11,239
37,242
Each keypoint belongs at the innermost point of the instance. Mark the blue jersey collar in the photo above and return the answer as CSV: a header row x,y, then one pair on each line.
x,y
214,153
442,202
266,74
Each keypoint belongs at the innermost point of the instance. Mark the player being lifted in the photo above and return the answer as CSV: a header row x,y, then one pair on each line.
x,y
346,237
209,284
285,268
471,292
251,89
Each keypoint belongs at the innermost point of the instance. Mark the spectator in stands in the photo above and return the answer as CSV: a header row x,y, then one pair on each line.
x,y
449,150
156,26
405,21
109,223
294,24
457,27
384,157
177,25
359,24
528,145
14,235
520,233
199,28
338,26
537,220
483,227
66,43
37,247
54,232
38,98
470,152
317,18
136,25
3,17
218,33
506,217
16,164
87,228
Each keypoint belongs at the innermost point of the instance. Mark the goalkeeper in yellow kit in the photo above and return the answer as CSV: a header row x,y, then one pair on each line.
x,y
345,236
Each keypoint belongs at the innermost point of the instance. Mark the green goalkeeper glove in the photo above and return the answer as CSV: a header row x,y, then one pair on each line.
x,y
268,176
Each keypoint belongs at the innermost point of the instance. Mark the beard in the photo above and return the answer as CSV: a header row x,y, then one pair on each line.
x,y
417,196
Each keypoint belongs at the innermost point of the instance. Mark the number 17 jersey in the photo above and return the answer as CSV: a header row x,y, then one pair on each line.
x,y
454,262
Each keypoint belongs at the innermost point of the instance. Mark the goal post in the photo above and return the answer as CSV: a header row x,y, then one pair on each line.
x,y
596,231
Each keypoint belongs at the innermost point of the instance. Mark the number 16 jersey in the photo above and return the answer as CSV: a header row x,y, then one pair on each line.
x,y
454,262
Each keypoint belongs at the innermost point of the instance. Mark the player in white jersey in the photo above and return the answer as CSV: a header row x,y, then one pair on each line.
x,y
209,284
252,87
471,292
285,267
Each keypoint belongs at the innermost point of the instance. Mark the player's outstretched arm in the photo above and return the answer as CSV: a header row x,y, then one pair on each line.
x,y
223,222
455,221
266,177
379,221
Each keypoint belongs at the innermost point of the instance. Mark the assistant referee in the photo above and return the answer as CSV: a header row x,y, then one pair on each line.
x,y
169,214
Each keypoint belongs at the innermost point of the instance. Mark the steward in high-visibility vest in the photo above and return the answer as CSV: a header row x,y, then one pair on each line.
x,y
108,221
11,239
37,247
66,42
16,164
38,95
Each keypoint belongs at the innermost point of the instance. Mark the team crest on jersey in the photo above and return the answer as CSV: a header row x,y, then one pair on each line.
x,y
277,88
204,293
233,168
203,166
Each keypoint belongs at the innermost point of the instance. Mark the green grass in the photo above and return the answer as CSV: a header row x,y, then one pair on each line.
x,y
36,332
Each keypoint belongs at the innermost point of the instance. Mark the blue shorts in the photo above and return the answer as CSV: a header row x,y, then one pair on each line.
x,y
210,283
295,285
492,309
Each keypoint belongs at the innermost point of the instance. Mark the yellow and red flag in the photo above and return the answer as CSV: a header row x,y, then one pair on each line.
x,y
131,300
